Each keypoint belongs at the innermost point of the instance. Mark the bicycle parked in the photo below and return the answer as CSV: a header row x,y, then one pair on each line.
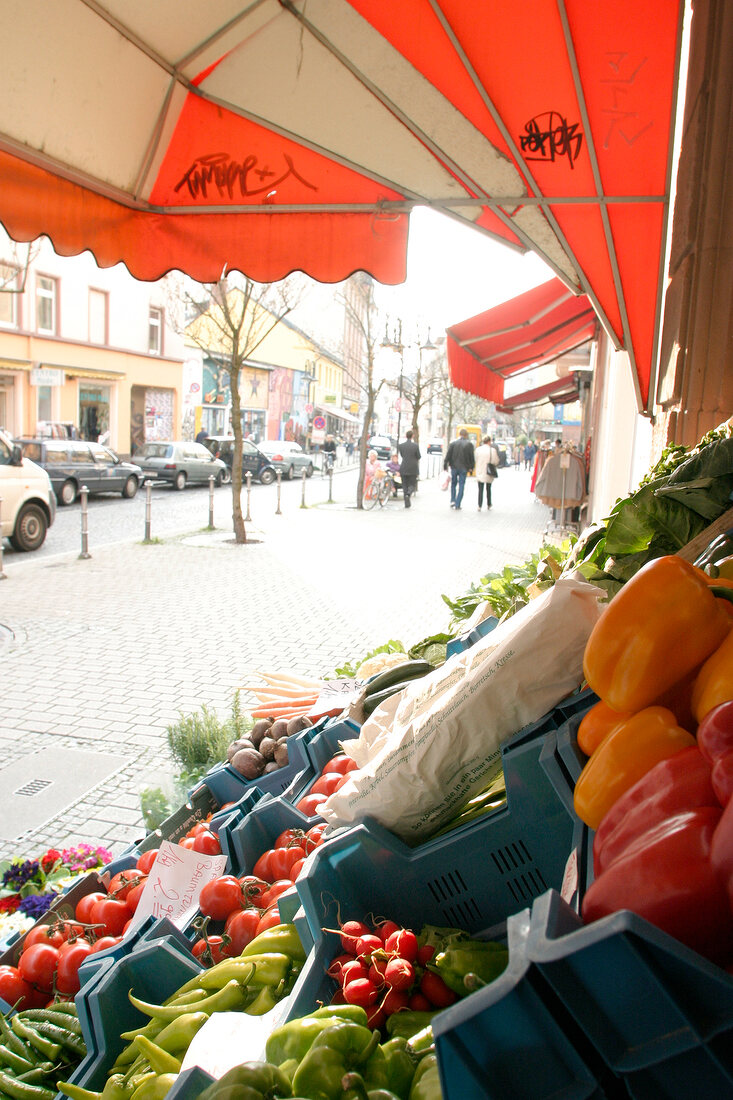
x,y
378,490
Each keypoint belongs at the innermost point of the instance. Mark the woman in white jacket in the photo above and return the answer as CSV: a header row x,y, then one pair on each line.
x,y
487,465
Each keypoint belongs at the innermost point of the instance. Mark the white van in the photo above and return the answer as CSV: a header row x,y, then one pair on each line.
x,y
28,505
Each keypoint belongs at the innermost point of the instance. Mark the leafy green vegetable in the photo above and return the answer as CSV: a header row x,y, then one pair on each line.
x,y
432,649
350,667
507,592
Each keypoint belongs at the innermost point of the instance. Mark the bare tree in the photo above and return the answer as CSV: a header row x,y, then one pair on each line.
x,y
229,320
421,388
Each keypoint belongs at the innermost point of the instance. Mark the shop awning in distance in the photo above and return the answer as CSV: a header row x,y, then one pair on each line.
x,y
534,328
561,391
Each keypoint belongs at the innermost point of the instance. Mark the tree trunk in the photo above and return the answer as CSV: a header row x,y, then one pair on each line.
x,y
240,534
363,449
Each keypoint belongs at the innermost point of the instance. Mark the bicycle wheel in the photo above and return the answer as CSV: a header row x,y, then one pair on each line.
x,y
371,495
385,491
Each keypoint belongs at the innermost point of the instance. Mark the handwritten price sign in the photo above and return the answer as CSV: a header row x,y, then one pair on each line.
x,y
175,882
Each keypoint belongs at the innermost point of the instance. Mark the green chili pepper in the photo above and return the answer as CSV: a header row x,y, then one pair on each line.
x,y
400,1065
50,1016
281,938
294,1039
155,1087
264,1001
407,1023
355,1088
229,998
178,1034
149,1030
66,1006
160,1060
485,959
250,1081
117,1087
14,1061
48,1047
334,1052
62,1036
269,969
76,1092
15,1043
422,1042
38,1073
426,1082
21,1090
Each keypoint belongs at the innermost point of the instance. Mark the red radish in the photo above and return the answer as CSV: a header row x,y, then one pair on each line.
x,y
335,970
361,991
368,943
351,930
386,928
377,969
394,1001
425,954
375,1017
399,974
353,971
418,1002
436,991
338,998
402,943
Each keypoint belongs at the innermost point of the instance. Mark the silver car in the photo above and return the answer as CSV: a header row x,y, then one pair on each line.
x,y
180,463
288,457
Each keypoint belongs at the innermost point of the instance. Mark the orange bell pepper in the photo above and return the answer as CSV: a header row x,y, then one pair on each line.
x,y
596,724
623,757
662,624
714,683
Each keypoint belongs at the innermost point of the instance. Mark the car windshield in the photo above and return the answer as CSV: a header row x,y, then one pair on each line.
x,y
155,450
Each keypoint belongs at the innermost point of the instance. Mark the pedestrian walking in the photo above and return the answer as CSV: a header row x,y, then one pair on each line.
x,y
201,436
460,460
409,466
487,469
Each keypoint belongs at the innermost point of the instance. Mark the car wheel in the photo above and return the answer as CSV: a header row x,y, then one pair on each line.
x,y
291,473
219,479
267,476
226,476
179,481
130,488
67,492
30,528
309,470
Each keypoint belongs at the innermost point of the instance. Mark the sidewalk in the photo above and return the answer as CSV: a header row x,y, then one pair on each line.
x,y
99,656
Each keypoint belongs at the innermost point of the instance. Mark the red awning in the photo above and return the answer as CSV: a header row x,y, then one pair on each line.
x,y
534,328
275,136
561,391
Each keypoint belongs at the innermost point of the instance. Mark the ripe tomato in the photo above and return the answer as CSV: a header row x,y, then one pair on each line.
x,y
328,783
71,956
84,906
314,836
241,927
199,827
14,988
220,897
38,965
210,951
288,837
278,887
261,868
133,898
105,942
340,763
44,933
207,843
146,860
308,805
296,869
282,859
268,920
186,842
112,914
253,889
122,883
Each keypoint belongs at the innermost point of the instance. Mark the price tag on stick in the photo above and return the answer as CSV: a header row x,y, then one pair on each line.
x,y
175,882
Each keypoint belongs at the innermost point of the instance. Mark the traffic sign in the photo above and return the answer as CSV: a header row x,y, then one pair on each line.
x,y
309,409
319,422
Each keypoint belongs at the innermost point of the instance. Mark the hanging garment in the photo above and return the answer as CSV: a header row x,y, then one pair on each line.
x,y
549,488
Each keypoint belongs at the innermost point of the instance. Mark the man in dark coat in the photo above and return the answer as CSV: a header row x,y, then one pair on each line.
x,y
409,467
460,460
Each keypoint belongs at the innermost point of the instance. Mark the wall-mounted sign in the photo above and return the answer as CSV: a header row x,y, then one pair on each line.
x,y
46,376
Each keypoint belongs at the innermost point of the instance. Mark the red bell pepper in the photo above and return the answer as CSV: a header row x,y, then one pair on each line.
x,y
722,848
715,738
680,783
667,877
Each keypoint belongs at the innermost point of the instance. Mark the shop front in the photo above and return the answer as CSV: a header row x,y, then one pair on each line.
x,y
216,406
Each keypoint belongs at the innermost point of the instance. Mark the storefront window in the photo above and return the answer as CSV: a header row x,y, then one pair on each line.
x,y
93,412
43,406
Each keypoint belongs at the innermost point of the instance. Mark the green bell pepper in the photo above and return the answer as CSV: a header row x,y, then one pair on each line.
x,y
483,958
334,1052
294,1039
426,1082
400,1065
355,1088
250,1081
407,1023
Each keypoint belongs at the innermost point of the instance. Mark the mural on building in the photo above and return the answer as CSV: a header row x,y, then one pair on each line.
x,y
252,386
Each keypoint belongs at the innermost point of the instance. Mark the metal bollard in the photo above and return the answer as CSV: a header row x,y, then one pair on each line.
x,y
84,494
330,485
3,574
148,508
211,502
248,517
302,498
279,484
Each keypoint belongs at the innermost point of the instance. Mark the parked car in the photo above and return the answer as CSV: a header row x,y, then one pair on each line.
x,y
181,463
29,504
254,461
71,463
287,457
383,445
435,447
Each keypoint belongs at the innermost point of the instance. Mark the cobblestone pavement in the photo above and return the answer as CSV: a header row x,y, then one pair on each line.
x,y
100,655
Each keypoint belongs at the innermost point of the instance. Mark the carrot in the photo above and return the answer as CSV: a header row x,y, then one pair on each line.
x,y
287,693
289,679
279,711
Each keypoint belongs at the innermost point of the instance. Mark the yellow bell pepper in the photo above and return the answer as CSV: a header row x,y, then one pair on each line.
x,y
597,724
663,623
714,683
626,754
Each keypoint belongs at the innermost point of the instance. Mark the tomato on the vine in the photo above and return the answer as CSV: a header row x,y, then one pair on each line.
x,y
254,889
44,933
282,859
328,783
288,837
220,897
38,965
340,763
146,860
268,920
84,906
296,869
133,898
71,956
111,914
278,887
308,805
186,842
261,868
207,842
123,882
210,951
241,927
13,987
104,943
314,836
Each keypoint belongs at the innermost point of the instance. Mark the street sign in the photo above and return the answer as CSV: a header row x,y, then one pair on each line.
x,y
319,423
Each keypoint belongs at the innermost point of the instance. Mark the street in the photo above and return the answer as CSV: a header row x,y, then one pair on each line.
x,y
100,655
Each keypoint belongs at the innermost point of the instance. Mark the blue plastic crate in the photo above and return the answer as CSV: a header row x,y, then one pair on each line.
x,y
655,1011
227,785
470,637
505,1042
190,1084
562,760
472,877
557,773
320,748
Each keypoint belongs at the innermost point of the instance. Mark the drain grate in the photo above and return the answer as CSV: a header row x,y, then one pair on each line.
x,y
34,787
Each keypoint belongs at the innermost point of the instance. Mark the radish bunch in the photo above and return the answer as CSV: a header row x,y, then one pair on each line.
x,y
383,969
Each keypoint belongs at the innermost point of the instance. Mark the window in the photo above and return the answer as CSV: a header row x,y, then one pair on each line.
x,y
155,331
43,403
8,295
97,316
45,304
